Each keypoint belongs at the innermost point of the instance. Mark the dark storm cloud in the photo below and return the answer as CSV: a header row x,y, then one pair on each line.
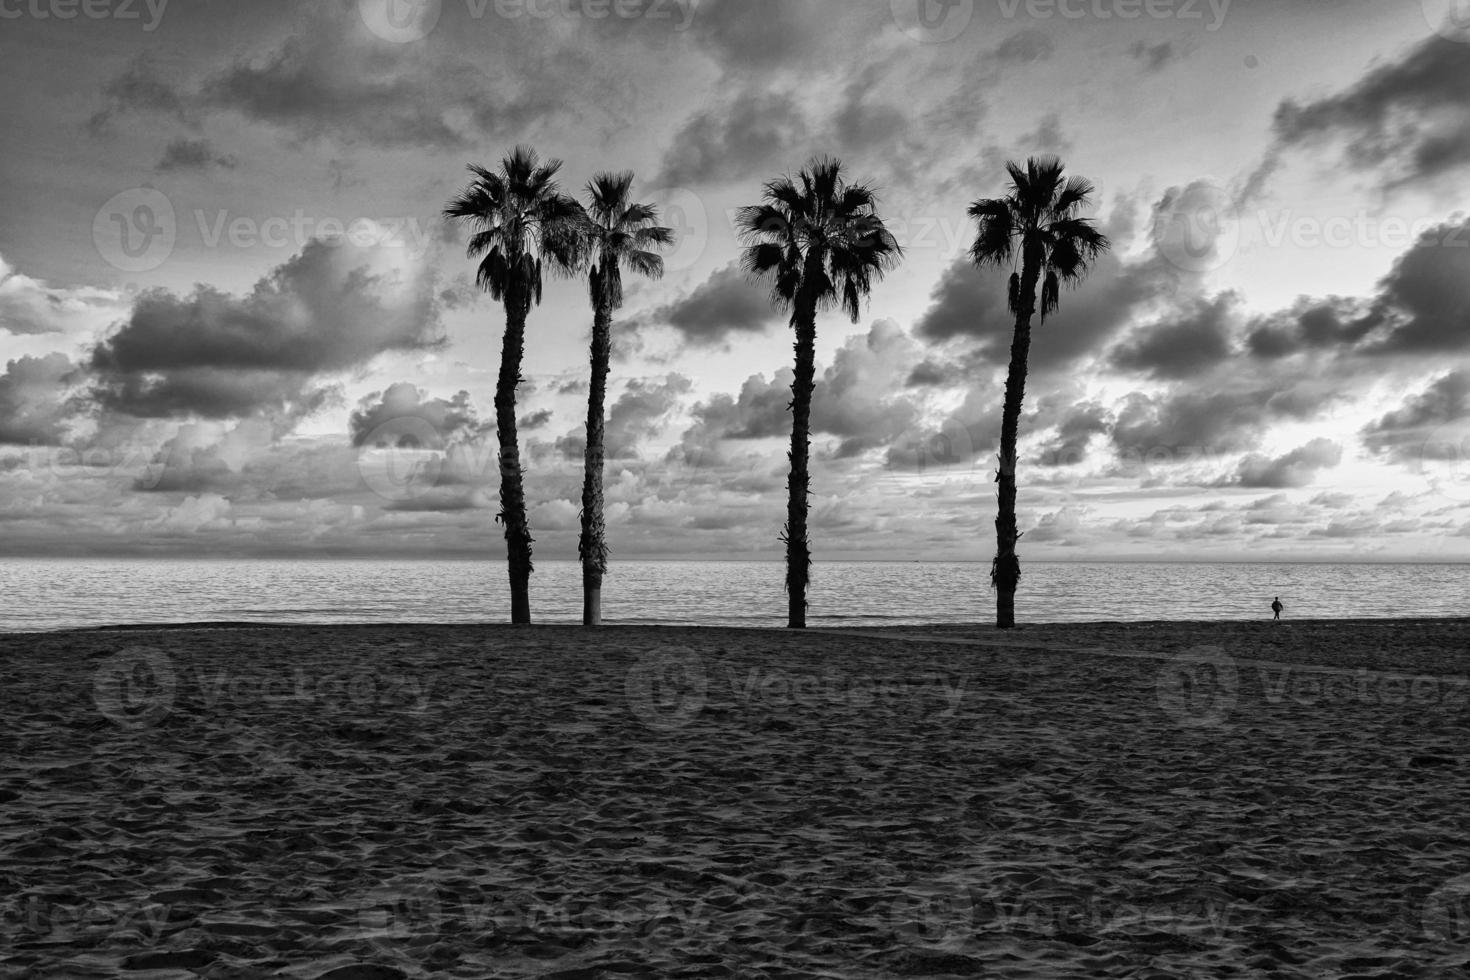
x,y
970,304
140,88
1420,308
1074,433
34,407
331,78
1048,137
185,154
754,35
751,133
758,412
1408,119
1189,343
1212,420
1295,469
1024,47
1403,435
1333,323
726,304
389,415
1429,289
639,414
865,122
1156,57
856,399
217,355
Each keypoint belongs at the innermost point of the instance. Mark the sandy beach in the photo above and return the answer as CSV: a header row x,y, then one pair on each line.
x,y
360,803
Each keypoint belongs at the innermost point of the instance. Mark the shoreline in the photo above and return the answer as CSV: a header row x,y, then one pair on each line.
x,y
979,625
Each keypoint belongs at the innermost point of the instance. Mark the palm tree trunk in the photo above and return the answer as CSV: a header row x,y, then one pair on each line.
x,y
593,545
798,548
1005,572
512,491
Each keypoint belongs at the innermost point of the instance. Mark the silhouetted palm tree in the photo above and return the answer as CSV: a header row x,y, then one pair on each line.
x,y
1037,225
521,221
619,235
822,243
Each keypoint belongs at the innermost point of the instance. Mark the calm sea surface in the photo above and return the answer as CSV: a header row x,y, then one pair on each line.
x,y
47,595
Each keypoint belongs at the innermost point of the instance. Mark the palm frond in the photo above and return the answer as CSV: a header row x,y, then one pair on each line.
x,y
995,232
1050,295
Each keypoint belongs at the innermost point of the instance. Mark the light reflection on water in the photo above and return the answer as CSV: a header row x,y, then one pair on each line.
x,y
42,595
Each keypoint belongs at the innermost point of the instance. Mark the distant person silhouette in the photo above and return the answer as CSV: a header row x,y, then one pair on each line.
x,y
1276,607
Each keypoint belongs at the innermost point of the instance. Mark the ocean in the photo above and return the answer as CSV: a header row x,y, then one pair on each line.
x,y
64,593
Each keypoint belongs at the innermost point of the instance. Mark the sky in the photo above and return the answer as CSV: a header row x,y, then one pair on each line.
x,y
234,324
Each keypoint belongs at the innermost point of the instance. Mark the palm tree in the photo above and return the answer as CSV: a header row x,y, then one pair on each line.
x,y
821,242
521,223
1037,225
618,235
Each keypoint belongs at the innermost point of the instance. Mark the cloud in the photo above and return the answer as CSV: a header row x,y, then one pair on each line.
x,y
1048,136
332,307
725,305
638,415
1074,434
755,35
391,415
1191,342
332,78
1421,307
1332,324
34,407
861,398
1404,435
1407,120
1024,47
140,89
1156,57
758,412
1429,290
1295,469
1220,417
29,306
749,133
185,154
969,304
